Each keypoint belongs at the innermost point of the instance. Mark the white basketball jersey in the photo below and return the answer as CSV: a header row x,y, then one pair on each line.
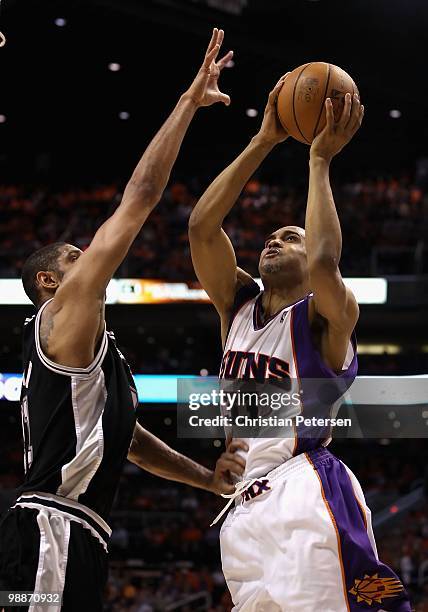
x,y
277,348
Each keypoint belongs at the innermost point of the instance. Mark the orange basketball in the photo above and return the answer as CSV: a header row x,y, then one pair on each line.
x,y
301,101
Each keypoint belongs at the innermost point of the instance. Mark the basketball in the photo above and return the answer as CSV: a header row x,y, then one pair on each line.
x,y
301,101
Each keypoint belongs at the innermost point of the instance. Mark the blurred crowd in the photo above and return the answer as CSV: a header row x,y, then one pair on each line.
x,y
384,223
162,548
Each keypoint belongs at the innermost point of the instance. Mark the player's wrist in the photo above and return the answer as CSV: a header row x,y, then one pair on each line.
x,y
207,480
319,160
264,141
190,100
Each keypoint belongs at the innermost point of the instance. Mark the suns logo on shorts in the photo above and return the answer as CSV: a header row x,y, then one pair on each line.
x,y
374,589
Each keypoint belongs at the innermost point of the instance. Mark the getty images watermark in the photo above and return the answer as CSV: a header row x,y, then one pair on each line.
x,y
230,401
387,407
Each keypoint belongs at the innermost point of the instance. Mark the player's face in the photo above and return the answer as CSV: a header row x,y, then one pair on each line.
x,y
283,248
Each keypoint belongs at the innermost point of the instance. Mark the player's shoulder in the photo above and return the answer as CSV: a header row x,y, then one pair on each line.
x,y
246,289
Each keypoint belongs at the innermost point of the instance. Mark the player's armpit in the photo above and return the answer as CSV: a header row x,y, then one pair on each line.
x,y
242,278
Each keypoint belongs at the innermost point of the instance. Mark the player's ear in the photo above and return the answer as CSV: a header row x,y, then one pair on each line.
x,y
47,280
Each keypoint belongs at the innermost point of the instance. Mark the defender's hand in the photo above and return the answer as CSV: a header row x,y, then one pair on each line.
x,y
204,90
271,130
336,135
228,463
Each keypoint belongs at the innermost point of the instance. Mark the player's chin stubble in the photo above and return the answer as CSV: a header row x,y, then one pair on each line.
x,y
271,267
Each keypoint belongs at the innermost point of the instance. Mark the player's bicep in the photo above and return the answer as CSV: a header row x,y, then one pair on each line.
x,y
214,262
333,300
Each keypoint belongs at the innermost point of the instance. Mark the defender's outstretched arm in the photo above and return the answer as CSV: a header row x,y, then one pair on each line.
x,y
212,252
77,306
332,300
151,454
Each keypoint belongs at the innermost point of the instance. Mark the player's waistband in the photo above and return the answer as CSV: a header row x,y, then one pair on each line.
x,y
68,508
311,458
252,487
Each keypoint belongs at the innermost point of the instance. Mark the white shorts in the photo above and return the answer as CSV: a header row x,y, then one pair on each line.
x,y
301,540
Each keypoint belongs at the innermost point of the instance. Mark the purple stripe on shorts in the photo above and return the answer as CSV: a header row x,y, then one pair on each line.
x,y
370,584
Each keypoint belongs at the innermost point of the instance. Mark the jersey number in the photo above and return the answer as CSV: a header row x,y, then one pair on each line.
x,y
25,416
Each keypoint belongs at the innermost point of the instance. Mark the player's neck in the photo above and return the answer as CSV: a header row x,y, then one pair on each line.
x,y
275,299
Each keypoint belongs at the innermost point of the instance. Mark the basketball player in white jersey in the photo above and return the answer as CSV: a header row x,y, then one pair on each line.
x,y
299,538
79,398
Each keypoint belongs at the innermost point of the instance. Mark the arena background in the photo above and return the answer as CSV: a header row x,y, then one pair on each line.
x,y
84,86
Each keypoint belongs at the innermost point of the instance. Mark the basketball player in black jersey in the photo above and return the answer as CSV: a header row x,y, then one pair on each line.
x,y
78,396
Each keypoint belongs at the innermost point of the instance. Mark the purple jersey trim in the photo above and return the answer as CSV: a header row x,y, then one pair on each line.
x,y
363,574
309,362
321,385
242,296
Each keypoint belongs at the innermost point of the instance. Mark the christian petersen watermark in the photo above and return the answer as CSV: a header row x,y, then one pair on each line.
x,y
387,407
271,421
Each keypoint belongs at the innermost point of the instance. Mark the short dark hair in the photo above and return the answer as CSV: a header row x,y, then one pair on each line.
x,y
45,259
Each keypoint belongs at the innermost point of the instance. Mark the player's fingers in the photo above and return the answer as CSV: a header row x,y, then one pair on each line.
x,y
220,37
273,95
233,457
231,465
213,40
237,445
225,60
280,83
359,120
346,113
224,98
329,113
226,488
355,112
210,57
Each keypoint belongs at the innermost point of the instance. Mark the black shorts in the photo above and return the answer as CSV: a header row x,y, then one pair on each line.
x,y
48,549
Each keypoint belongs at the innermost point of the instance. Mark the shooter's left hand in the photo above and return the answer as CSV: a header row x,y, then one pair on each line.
x,y
335,136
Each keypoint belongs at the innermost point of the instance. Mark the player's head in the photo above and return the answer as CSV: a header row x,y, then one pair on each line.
x,y
283,260
44,270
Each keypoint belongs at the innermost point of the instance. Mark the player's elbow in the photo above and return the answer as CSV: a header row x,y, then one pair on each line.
x,y
200,228
145,194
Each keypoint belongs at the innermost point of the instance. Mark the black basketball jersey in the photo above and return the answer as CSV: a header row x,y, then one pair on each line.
x,y
77,422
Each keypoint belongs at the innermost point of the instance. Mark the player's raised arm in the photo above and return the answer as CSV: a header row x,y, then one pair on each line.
x,y
332,300
151,454
73,332
212,252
